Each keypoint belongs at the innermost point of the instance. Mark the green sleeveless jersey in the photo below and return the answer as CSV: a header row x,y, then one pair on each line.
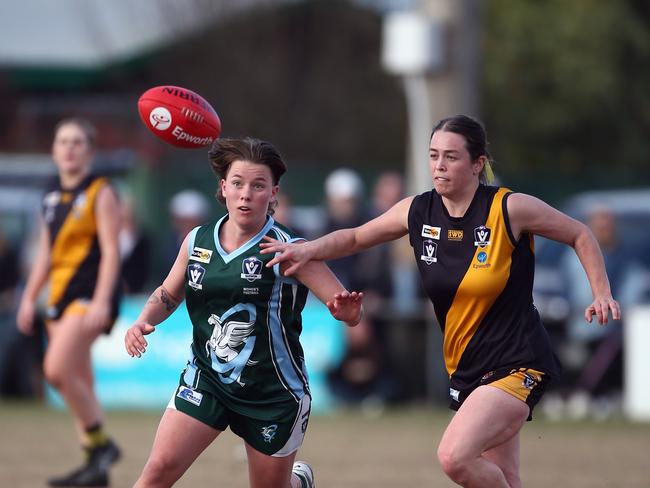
x,y
246,324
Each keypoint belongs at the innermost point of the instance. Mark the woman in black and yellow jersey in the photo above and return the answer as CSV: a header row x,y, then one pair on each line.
x,y
78,258
474,248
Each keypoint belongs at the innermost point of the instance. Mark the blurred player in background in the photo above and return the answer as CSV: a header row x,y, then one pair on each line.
x,y
246,369
78,257
474,247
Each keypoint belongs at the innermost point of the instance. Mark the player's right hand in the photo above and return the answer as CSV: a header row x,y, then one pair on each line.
x,y
292,256
134,340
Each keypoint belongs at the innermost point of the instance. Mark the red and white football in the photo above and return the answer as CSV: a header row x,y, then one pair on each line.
x,y
179,116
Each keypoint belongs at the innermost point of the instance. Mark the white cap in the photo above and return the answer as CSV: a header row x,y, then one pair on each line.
x,y
343,183
189,204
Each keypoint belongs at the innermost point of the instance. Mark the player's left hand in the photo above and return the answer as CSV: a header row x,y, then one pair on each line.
x,y
600,307
97,316
346,307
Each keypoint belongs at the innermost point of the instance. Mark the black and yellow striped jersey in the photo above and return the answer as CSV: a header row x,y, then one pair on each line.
x,y
74,246
480,281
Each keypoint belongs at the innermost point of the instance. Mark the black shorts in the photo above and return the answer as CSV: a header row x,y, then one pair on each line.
x,y
528,385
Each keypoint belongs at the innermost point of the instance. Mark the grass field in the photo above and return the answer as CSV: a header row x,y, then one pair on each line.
x,y
347,449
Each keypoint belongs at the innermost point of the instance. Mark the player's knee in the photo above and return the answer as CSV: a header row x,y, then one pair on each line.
x,y
453,464
54,375
159,472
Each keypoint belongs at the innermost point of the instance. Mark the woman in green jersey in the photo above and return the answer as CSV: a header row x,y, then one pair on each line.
x,y
246,367
474,247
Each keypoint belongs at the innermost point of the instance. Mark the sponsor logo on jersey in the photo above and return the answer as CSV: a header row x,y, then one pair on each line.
x,y
454,393
196,272
251,269
430,232
481,257
190,395
482,236
268,432
51,200
201,255
429,251
79,204
455,235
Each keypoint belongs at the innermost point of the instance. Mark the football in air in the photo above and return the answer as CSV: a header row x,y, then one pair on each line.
x,y
179,116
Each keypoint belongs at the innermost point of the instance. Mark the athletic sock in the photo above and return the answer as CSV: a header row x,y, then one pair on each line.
x,y
96,436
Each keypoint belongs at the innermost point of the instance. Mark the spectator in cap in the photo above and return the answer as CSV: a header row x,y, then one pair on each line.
x,y
188,209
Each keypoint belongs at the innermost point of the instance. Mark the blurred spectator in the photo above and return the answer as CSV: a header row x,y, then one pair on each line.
x,y
20,356
188,209
389,276
9,276
284,214
344,191
599,379
135,249
364,372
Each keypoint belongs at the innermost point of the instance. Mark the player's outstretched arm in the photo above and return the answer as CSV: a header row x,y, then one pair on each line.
x,y
389,226
343,305
529,214
161,304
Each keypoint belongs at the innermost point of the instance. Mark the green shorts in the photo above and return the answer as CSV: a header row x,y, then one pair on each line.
x,y
277,437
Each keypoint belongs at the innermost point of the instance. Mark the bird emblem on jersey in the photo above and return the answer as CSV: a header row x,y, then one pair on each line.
x,y
227,338
232,342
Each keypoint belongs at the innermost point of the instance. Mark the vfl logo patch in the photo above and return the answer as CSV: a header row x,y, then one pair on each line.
x,y
482,236
201,255
530,381
430,232
454,235
251,269
190,395
196,272
429,251
268,432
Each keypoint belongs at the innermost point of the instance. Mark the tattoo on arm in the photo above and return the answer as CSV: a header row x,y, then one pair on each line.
x,y
167,300
153,300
